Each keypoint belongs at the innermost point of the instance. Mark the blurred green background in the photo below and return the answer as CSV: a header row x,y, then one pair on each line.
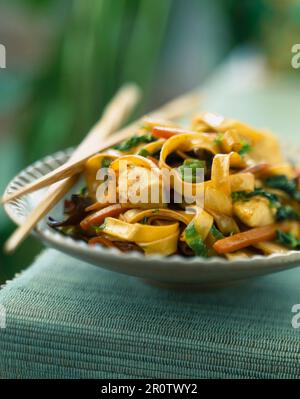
x,y
66,58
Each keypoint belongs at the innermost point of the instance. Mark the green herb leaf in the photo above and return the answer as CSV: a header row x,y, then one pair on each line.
x,y
192,165
98,229
134,141
274,201
245,196
286,213
83,191
288,239
281,182
246,148
106,163
194,241
216,233
240,196
144,153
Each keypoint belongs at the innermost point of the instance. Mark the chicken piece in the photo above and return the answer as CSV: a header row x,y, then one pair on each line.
x,y
254,213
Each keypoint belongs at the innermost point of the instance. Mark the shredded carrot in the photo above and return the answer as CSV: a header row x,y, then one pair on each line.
x,y
165,132
96,206
246,239
101,240
98,217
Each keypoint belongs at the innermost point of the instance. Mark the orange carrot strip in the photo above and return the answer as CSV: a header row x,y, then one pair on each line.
x,y
297,172
97,205
246,238
167,132
98,217
101,240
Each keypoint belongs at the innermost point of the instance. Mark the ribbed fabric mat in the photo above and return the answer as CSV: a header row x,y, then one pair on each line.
x,y
68,319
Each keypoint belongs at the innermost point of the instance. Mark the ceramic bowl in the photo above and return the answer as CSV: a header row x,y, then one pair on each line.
x,y
172,270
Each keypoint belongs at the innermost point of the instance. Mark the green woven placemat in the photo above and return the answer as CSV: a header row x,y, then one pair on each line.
x,y
68,319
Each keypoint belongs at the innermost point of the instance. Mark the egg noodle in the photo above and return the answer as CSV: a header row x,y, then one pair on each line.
x,y
216,188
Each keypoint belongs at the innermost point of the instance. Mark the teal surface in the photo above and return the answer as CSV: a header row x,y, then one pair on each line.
x,y
68,319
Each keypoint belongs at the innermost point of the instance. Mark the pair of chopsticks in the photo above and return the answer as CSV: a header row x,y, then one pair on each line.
x,y
113,116
65,176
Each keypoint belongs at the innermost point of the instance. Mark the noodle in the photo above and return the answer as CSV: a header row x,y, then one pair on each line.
x,y
251,202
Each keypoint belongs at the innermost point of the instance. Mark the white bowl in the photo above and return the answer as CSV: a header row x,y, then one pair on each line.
x,y
173,269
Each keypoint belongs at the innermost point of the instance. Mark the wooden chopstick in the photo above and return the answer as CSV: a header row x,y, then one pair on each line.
x,y
172,110
114,115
